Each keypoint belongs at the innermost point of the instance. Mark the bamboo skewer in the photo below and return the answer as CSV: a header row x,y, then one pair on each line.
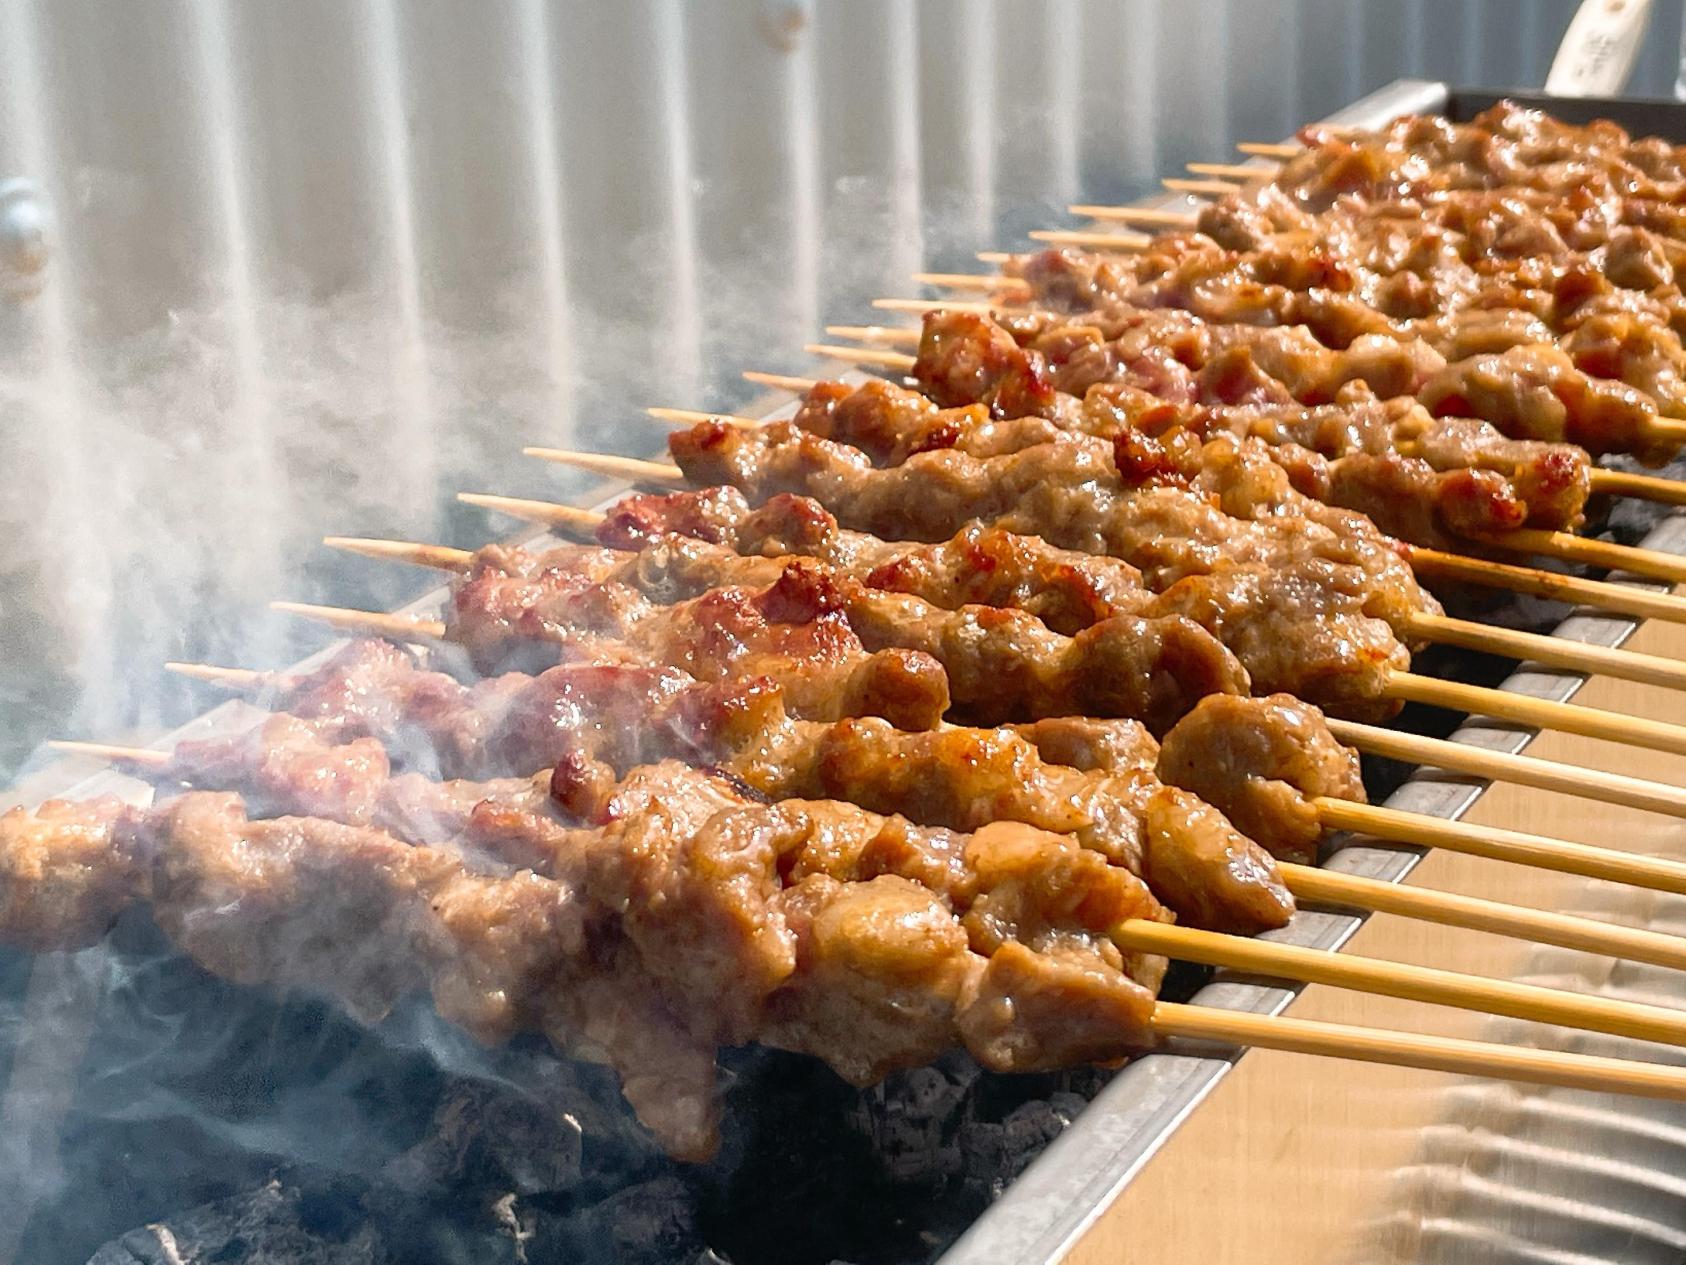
x,y
1399,1049
1413,983
1271,149
1642,487
376,623
890,335
1342,970
440,557
1567,547
1501,766
1087,240
1621,599
633,468
1159,217
132,757
1235,171
691,417
1312,885
570,518
1203,188
241,680
896,360
971,281
1493,843
1537,713
992,281
779,381
947,305
1554,652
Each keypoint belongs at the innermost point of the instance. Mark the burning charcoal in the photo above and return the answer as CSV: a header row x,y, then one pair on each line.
x,y
267,1226
997,1152
1630,518
912,1119
494,1138
653,1223
495,1231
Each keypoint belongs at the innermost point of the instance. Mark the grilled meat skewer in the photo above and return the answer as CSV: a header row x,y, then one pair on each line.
x,y
513,611
693,919
1379,271
596,723
794,633
1348,457
1307,611
1505,377
980,565
1493,233
1507,147
690,919
977,359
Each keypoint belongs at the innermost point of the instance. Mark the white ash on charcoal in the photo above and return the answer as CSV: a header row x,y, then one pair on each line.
x,y
489,1137
266,1226
998,1151
656,1221
911,1120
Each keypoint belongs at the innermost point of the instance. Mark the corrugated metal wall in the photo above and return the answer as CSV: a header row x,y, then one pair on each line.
x,y
315,266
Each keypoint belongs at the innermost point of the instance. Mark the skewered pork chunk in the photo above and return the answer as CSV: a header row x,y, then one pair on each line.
x,y
1263,760
62,883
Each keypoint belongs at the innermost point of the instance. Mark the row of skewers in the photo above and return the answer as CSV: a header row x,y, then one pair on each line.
x,y
942,714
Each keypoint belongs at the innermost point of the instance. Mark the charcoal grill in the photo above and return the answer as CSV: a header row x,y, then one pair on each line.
x,y
1487,1173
